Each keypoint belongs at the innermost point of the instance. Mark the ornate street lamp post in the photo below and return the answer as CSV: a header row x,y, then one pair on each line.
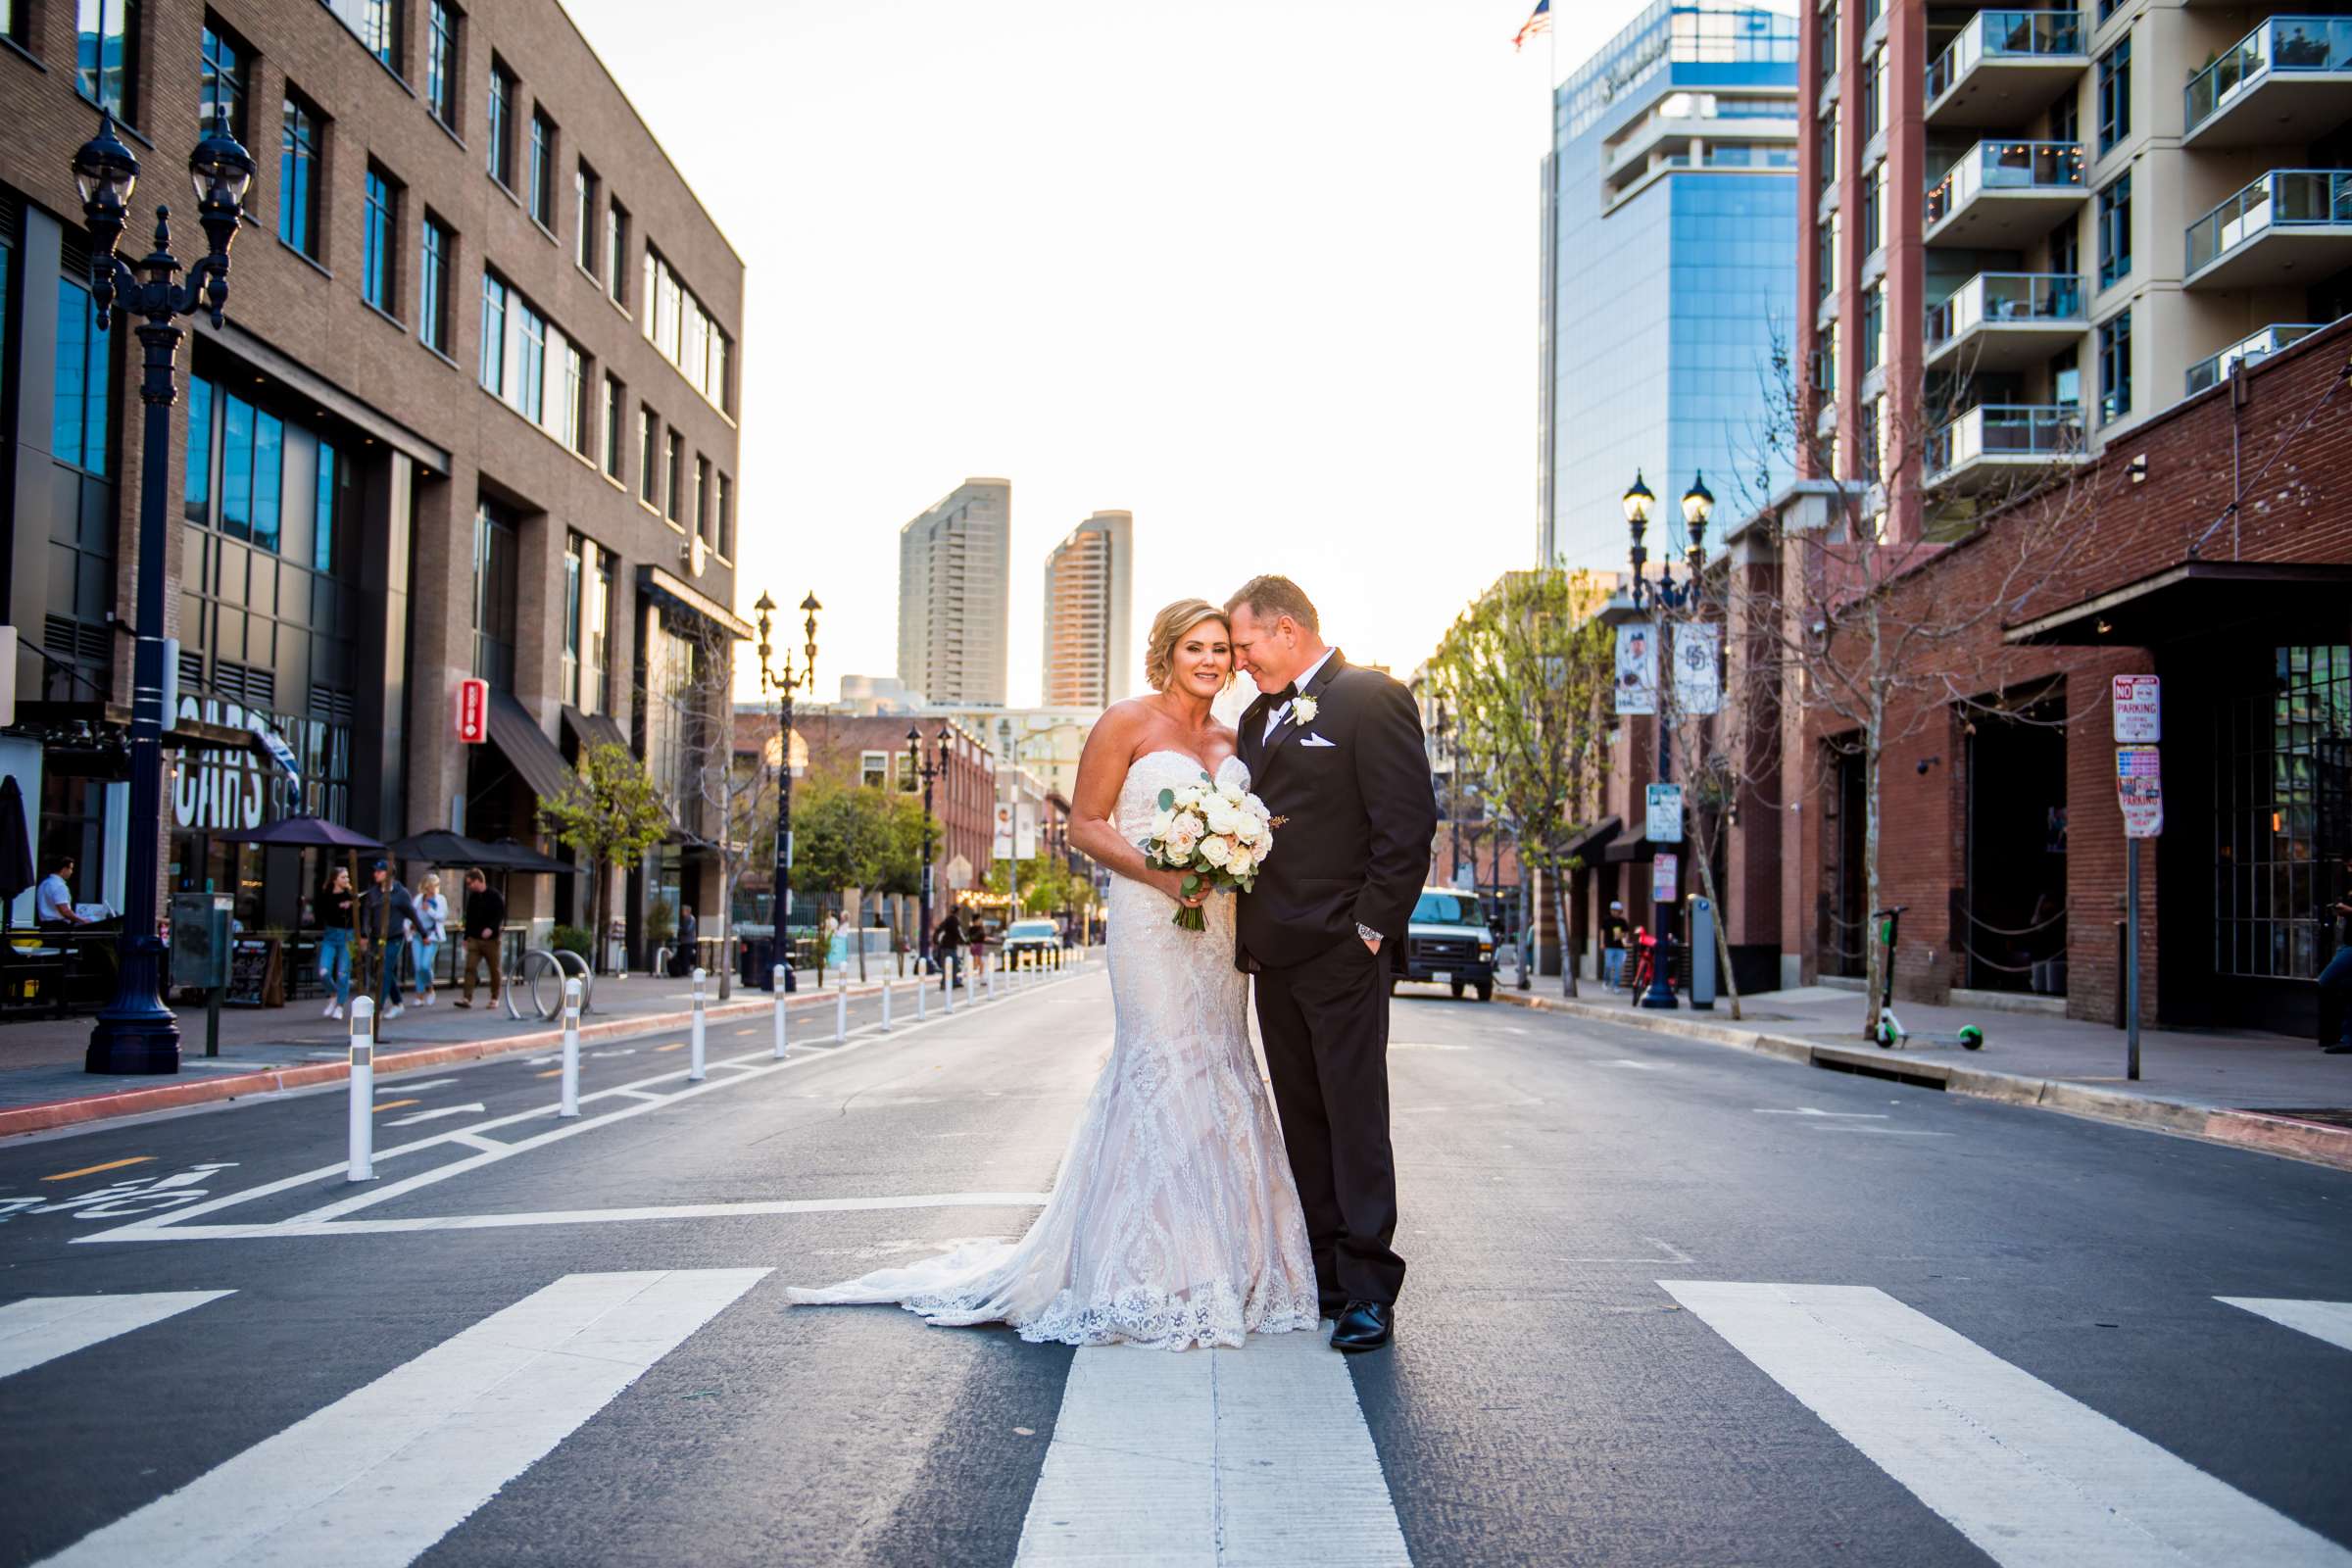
x,y
927,767
784,682
135,1033
1699,505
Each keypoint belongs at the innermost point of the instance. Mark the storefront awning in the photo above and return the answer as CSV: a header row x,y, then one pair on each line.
x,y
1595,836
2197,599
527,747
593,729
662,585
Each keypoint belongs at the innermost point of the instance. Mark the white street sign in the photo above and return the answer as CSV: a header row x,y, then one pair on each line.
x,y
2139,790
1665,814
2139,711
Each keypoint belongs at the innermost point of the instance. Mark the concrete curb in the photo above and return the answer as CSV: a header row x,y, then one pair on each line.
x,y
48,1114
2245,1129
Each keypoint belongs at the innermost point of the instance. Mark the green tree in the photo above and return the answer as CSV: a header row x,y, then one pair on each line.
x,y
611,813
848,835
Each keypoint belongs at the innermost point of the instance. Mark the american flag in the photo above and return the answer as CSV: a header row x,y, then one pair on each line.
x,y
1538,20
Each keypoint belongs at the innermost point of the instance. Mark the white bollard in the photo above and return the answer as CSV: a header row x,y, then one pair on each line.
x,y
886,1003
570,1103
954,978
694,1067
991,981
779,979
363,1088
841,1010
923,995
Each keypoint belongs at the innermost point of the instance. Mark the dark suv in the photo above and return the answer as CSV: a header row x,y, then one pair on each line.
x,y
1448,944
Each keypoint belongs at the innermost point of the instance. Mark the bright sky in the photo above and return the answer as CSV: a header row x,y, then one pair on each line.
x,y
1263,271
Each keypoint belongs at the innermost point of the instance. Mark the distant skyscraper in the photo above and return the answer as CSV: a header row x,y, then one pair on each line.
x,y
1089,626
1669,269
953,562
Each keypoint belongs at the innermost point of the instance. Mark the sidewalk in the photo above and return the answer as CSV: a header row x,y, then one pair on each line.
x,y
264,1050
2263,1092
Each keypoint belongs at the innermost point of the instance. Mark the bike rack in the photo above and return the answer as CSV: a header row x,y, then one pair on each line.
x,y
564,965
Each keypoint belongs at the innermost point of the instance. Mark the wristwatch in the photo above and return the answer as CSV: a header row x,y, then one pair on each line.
x,y
1366,932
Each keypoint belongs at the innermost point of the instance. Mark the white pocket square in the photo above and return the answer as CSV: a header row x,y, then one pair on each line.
x,y
1315,740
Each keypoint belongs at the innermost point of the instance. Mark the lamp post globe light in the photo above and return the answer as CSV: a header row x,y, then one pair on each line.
x,y
784,681
135,1033
1665,594
927,767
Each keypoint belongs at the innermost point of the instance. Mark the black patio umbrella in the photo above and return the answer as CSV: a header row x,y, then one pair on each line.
x,y
509,855
17,870
301,832
440,847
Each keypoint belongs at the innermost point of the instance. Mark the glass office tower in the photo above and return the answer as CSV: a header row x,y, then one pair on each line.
x,y
1670,243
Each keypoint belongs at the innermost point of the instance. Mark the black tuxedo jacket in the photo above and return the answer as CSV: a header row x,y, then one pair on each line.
x,y
1355,787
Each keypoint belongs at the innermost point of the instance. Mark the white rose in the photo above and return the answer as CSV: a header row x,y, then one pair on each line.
x,y
1160,823
1260,849
1257,807
1231,791
1216,848
1221,817
1246,829
1180,840
1188,795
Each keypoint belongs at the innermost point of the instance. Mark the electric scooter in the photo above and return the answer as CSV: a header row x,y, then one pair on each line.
x,y
1891,1033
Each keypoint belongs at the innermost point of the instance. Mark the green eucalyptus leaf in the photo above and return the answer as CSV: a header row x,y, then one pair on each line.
x,y
1167,799
1191,882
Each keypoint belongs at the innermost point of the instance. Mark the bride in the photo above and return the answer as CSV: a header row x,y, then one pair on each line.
x,y
1174,1221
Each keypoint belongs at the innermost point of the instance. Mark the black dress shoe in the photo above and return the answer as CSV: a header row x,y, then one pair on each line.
x,y
1364,1326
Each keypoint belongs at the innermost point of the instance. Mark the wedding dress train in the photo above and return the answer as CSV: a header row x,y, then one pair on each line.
x,y
1174,1221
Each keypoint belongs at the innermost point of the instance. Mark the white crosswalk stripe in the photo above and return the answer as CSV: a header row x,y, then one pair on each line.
x,y
1213,1459
42,1327
2322,1320
2033,1478
374,1479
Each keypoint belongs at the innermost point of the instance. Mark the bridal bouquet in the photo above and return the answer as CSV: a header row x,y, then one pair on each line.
x,y
1216,834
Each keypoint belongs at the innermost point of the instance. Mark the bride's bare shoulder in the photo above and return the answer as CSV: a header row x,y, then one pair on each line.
x,y
1129,720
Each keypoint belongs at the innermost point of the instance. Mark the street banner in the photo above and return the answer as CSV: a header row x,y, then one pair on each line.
x,y
2139,790
1024,831
1698,668
2138,709
1664,823
1002,848
1636,683
1665,874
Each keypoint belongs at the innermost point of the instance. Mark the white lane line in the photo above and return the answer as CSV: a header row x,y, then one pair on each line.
x,y
1642,1066
2036,1479
2322,1320
378,1476
1257,1456
1809,1110
415,1117
42,1327
1883,1132
610,1217
401,1086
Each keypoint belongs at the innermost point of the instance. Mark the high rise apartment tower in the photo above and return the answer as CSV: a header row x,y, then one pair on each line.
x,y
1089,621
952,579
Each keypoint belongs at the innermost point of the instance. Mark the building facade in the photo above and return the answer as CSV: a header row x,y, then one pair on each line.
x,y
2031,232
1089,613
954,561
1669,205
472,414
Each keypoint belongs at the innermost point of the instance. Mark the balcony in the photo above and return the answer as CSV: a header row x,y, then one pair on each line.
x,y
1994,440
2288,80
2291,226
2005,320
2005,67
2004,194
2270,340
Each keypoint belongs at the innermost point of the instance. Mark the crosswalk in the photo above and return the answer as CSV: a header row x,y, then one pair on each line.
x,y
1222,1458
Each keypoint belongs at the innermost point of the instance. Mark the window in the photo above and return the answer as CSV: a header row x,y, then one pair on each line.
x,y
677,323
1874,92
542,193
1873,326
1825,258
677,472
376,24
2115,367
2066,249
196,484
873,769
2114,95
2066,116
703,517
380,241
649,454
530,389
1872,438
2066,378
723,540
298,177
84,379
253,460
441,62
13,15
614,404
1825,44
435,254
494,579
1872,235
107,55
2115,230
500,124
574,585
583,226
616,253
1824,138
577,421
327,516
221,90
596,687
2277,765
494,335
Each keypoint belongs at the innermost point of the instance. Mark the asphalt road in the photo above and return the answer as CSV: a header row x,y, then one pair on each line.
x,y
1668,1304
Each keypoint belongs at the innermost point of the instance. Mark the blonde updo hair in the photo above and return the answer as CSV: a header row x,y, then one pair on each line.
x,y
1167,630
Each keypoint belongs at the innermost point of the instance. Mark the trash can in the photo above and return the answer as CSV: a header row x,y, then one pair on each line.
x,y
758,963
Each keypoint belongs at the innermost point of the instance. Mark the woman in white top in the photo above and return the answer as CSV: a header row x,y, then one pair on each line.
x,y
432,914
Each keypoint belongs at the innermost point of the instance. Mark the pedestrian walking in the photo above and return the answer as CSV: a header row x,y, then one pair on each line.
x,y
387,914
682,955
335,906
2335,980
485,917
1615,933
432,911
946,951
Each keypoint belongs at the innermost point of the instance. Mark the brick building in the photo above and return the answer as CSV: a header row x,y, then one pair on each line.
x,y
473,415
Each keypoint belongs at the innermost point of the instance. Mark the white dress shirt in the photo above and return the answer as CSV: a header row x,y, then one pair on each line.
x,y
1305,679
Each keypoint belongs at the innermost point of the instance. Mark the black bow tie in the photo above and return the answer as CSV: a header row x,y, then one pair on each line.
x,y
1286,694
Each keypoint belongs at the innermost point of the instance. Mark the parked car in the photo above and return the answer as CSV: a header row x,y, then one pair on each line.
x,y
1039,937
1448,943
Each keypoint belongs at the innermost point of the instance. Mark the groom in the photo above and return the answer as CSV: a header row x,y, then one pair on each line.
x,y
1337,752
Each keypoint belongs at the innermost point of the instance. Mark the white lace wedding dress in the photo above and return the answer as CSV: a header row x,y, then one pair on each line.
x,y
1174,1221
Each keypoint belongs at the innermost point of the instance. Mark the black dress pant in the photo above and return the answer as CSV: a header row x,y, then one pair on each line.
x,y
1325,1023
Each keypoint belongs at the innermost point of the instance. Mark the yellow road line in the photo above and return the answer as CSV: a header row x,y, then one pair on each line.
x,y
552,1072
92,1171
675,1045
384,1105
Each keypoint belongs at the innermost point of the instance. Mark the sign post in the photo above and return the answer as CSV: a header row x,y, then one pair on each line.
x,y
2140,792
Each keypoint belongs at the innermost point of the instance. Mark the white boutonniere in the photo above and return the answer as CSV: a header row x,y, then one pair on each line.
x,y
1304,708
